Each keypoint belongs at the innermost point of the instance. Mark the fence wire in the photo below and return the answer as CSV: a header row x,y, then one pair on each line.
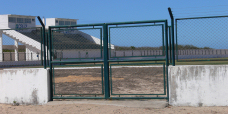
x,y
78,80
21,45
202,39
77,43
136,41
138,79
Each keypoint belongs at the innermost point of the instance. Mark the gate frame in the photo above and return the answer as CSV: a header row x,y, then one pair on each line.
x,y
106,60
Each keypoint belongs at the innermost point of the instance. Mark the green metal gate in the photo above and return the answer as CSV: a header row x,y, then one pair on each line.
x,y
127,60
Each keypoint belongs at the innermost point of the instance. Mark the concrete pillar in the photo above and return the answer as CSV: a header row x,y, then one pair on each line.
x,y
16,50
1,53
28,53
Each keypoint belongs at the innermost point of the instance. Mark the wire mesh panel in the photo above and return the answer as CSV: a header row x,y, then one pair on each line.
x,y
199,39
21,45
79,43
136,41
78,80
72,45
138,79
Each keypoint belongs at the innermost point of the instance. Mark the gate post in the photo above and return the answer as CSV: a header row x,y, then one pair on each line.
x,y
43,41
50,64
167,57
172,32
106,63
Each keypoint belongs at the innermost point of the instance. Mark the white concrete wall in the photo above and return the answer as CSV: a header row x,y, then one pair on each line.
x,y
91,53
4,22
25,86
198,85
36,54
50,22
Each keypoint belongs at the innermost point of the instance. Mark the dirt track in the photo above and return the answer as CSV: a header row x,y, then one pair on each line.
x,y
106,109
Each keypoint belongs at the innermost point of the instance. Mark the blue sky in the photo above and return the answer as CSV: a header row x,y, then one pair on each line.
x,y
100,11
104,11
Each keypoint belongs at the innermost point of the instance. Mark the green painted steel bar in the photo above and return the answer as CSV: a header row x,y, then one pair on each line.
x,y
76,29
164,78
173,48
41,44
167,57
138,97
136,26
166,43
55,97
138,94
106,62
53,79
111,78
172,25
102,79
136,22
136,64
117,23
79,58
163,40
50,64
201,17
140,56
41,22
132,60
97,61
89,65
170,47
78,94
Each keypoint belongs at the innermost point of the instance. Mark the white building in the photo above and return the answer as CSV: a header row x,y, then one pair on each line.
x,y
60,21
10,21
33,45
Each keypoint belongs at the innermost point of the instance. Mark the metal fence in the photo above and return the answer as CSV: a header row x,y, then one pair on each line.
x,y
109,61
201,39
21,47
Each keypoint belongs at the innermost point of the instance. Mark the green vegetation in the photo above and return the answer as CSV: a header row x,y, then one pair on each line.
x,y
180,47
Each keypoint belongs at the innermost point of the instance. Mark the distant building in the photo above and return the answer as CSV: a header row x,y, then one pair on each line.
x,y
10,21
23,29
60,21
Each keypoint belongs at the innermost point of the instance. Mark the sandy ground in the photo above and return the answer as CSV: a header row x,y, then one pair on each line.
x,y
105,109
125,80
